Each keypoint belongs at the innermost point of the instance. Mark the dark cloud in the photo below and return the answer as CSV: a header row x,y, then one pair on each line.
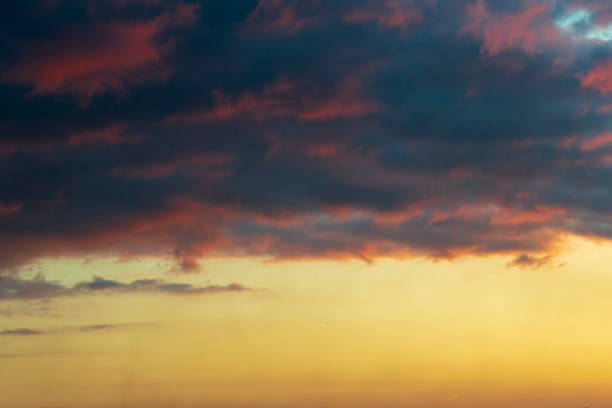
x,y
298,129
19,332
104,55
39,288
525,260
97,327
90,328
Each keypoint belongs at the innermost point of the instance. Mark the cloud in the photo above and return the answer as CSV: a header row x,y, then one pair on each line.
x,y
14,288
527,29
39,288
599,77
276,16
588,19
153,285
292,130
99,57
87,328
282,98
6,209
525,260
113,134
597,142
97,327
392,14
19,332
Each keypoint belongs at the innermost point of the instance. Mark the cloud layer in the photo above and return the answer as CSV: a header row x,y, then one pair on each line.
x,y
297,129
40,288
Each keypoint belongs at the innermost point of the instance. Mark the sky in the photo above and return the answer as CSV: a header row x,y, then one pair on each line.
x,y
305,204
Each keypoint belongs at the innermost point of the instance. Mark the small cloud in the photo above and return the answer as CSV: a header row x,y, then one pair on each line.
x,y
20,332
97,327
98,284
189,265
36,288
525,260
87,328
186,289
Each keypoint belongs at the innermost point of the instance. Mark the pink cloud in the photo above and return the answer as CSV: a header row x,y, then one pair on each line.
x,y
597,142
389,14
287,98
306,147
276,15
113,134
12,208
606,108
599,77
526,30
104,57
205,165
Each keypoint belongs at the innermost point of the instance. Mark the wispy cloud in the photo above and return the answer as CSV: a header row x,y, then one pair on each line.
x,y
529,261
86,328
40,288
20,332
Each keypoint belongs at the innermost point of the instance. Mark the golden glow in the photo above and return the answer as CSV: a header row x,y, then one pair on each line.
x,y
465,333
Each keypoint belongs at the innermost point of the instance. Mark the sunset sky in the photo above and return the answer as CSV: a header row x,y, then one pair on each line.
x,y
306,204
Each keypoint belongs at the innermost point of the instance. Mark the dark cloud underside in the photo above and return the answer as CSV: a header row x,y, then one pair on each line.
x,y
300,129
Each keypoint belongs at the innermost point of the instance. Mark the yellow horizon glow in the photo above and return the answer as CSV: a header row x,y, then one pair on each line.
x,y
464,333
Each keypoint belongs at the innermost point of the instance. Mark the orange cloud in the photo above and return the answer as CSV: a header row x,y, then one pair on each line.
x,y
128,237
397,216
541,214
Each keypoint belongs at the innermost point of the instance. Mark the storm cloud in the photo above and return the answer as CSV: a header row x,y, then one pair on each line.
x,y
300,129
